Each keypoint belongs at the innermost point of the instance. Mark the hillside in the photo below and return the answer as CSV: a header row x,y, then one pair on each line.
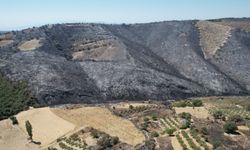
x,y
89,63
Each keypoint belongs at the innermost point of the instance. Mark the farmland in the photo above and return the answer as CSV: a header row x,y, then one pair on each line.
x,y
189,124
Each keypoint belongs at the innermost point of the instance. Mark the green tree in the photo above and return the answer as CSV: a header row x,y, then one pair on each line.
x,y
29,129
230,127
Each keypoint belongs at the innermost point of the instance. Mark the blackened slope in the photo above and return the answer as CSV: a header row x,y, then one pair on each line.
x,y
176,43
52,79
233,59
160,61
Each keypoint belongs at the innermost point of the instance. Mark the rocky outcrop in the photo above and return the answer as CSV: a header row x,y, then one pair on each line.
x,y
90,63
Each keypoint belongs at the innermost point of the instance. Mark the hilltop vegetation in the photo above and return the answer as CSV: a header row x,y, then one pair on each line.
x,y
14,97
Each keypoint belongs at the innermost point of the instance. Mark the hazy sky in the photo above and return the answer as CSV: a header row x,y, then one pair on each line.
x,y
18,14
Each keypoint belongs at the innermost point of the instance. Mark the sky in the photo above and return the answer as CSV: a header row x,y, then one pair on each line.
x,y
20,14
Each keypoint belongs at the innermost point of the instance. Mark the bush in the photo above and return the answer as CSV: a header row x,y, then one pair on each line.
x,y
235,118
75,137
185,115
185,124
218,114
248,125
94,133
204,131
248,107
154,134
14,120
144,126
107,141
131,106
154,117
170,131
14,97
216,144
114,140
230,127
197,103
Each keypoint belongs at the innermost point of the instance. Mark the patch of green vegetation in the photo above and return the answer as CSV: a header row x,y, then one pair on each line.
x,y
218,114
170,131
230,127
14,97
197,103
154,117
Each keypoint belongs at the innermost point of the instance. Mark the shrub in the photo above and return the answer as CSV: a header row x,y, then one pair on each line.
x,y
75,137
235,118
248,125
154,117
204,131
197,103
248,107
94,133
216,144
185,115
114,140
218,114
230,127
185,124
14,120
131,106
144,126
170,131
154,134
107,141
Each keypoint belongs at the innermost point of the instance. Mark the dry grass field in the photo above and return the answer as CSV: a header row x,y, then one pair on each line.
x,y
212,37
30,45
104,120
47,127
12,137
198,112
